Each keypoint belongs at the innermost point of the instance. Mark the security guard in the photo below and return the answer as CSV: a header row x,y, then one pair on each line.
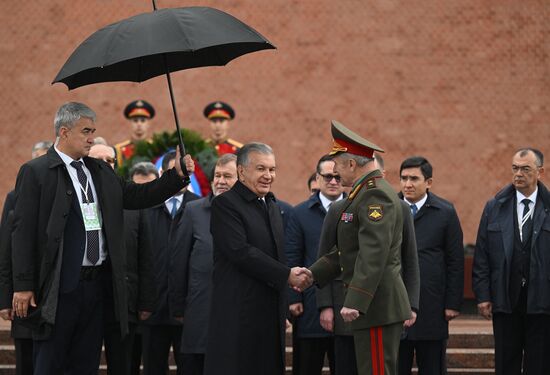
x,y
139,113
219,114
367,255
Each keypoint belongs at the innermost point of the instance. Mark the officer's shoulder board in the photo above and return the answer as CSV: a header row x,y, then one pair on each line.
x,y
369,183
233,142
123,144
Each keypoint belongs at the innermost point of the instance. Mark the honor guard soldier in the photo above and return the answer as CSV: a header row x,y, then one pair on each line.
x,y
219,114
139,113
367,255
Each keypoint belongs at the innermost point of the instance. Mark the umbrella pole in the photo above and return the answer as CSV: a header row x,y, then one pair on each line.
x,y
180,138
182,147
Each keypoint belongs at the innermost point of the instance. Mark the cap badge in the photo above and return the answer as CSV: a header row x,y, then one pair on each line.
x,y
218,105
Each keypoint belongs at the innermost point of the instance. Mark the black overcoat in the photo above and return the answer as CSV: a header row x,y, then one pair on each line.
x,y
44,194
247,320
495,247
441,262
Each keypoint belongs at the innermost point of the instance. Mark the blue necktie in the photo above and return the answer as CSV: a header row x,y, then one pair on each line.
x,y
414,209
174,210
92,236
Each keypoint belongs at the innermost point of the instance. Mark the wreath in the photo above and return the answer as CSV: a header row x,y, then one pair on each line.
x,y
201,151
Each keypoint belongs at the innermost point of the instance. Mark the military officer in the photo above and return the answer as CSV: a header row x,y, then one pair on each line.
x,y
139,113
220,114
367,255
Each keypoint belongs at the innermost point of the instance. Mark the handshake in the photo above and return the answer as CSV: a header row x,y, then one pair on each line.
x,y
300,278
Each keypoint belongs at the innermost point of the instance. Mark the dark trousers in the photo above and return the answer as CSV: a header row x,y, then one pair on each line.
x,y
430,356
23,356
74,347
118,351
135,367
344,356
157,341
311,353
521,337
193,363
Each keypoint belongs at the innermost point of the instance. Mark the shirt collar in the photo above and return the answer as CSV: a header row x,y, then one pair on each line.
x,y
66,158
532,197
420,203
179,198
327,202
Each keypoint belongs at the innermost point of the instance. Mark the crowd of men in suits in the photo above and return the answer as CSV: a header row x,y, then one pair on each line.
x,y
146,267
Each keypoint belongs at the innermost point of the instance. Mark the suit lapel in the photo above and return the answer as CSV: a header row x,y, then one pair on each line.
x,y
538,219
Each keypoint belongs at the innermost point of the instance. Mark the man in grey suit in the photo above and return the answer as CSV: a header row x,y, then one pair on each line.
x,y
191,268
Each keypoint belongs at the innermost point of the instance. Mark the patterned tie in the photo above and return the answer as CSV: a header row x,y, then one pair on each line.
x,y
414,209
526,221
92,236
174,210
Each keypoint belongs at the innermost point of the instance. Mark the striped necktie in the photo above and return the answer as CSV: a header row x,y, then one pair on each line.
x,y
526,221
92,236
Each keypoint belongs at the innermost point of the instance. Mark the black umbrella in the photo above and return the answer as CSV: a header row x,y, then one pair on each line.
x,y
160,42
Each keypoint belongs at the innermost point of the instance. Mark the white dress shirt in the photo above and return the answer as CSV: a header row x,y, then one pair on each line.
x,y
77,188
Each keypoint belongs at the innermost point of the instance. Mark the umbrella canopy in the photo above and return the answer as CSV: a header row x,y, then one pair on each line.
x,y
155,43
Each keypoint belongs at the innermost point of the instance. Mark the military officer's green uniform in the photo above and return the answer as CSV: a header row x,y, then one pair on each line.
x,y
367,257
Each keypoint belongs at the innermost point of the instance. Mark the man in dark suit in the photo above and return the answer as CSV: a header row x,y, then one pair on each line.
x,y
302,244
67,248
512,268
248,313
191,268
331,297
367,255
161,331
441,262
140,281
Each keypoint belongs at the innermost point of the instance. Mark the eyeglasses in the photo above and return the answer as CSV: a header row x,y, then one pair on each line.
x,y
328,177
524,169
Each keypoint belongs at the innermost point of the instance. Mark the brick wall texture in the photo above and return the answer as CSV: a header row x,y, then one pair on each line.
x,y
461,82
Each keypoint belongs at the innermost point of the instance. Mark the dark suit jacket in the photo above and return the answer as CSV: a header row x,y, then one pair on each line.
x,y
139,272
164,233
301,248
247,320
44,194
495,246
441,261
191,274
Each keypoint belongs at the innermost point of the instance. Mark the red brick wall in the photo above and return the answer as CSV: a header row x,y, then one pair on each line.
x,y
463,83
